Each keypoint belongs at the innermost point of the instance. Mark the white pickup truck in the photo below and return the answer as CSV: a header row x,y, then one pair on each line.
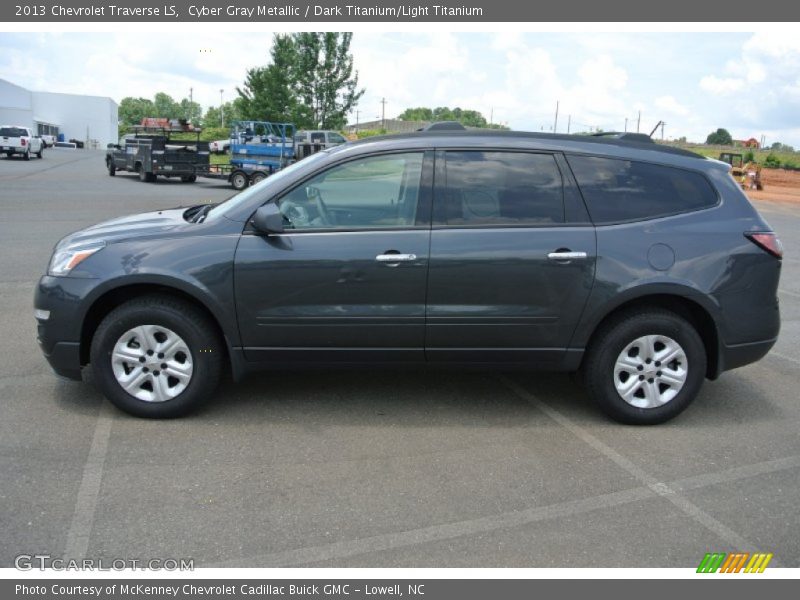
x,y
20,140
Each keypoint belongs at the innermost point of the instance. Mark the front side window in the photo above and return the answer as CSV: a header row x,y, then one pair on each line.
x,y
335,138
503,188
374,192
624,190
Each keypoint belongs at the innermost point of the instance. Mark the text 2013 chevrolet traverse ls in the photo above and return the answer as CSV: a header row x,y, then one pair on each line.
x,y
644,267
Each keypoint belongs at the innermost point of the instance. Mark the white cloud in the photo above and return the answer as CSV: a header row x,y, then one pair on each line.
x,y
721,85
671,105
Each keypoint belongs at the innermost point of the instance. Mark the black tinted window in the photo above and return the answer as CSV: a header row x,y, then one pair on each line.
x,y
503,188
623,190
12,132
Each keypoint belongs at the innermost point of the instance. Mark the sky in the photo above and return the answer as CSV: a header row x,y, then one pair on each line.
x,y
748,83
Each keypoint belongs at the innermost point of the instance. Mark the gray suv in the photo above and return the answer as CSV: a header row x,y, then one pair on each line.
x,y
643,267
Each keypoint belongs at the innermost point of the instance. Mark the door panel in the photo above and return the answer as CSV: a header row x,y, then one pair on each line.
x,y
338,289
498,288
494,295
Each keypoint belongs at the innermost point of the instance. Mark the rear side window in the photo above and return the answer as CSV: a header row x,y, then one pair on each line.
x,y
624,190
13,132
503,188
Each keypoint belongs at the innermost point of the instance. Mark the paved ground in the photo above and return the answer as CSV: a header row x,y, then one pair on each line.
x,y
377,469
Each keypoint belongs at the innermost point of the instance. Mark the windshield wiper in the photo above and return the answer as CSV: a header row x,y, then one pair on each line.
x,y
200,215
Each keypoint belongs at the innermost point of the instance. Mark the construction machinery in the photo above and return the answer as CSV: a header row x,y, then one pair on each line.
x,y
747,174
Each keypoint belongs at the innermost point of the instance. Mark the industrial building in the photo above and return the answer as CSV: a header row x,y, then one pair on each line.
x,y
90,119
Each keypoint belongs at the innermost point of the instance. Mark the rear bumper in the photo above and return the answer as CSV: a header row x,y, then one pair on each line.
x,y
738,355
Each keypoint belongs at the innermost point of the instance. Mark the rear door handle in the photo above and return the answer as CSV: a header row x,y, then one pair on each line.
x,y
566,255
395,258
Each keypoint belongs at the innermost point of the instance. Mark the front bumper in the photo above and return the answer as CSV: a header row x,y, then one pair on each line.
x,y
59,335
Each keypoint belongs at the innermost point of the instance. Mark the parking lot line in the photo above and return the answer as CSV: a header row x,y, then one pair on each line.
x,y
447,531
86,503
662,489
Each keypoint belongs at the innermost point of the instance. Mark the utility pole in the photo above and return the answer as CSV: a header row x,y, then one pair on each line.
x,y
638,121
662,130
383,113
569,122
626,124
221,109
188,116
555,123
491,115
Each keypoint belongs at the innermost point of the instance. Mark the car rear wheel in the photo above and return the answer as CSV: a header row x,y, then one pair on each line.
x,y
112,170
645,367
39,153
156,357
257,178
27,155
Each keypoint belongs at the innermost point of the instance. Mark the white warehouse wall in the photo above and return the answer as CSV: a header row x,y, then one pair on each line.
x,y
79,117
16,105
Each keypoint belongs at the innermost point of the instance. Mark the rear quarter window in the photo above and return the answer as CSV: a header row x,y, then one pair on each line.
x,y
624,190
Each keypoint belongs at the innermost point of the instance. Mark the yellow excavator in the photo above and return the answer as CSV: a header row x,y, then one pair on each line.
x,y
747,174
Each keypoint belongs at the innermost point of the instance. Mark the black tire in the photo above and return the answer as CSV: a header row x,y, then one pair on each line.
x,y
257,177
609,342
142,173
239,180
188,178
27,155
184,319
39,153
112,169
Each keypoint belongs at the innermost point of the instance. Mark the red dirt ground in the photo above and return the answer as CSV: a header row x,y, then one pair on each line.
x,y
779,185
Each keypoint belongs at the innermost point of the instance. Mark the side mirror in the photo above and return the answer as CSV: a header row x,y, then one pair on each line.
x,y
268,219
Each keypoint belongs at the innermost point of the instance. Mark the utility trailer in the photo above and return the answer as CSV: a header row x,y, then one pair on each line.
x,y
260,148
153,151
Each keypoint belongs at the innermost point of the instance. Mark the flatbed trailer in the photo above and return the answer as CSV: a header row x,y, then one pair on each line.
x,y
154,151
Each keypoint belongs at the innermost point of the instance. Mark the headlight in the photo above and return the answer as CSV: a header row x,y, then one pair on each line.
x,y
67,258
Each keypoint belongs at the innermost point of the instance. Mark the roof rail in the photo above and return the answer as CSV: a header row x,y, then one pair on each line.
x,y
625,135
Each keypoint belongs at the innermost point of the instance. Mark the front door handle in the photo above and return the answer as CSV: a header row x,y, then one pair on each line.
x,y
395,258
566,255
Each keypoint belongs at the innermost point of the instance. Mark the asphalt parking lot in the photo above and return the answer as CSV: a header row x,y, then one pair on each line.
x,y
381,468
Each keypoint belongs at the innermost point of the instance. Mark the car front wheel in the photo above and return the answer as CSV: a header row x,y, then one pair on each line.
x,y
156,357
645,367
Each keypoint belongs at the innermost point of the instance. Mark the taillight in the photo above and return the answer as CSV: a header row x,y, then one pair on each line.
x,y
768,242
22,141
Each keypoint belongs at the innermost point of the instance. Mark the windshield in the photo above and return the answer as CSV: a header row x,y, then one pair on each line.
x,y
261,189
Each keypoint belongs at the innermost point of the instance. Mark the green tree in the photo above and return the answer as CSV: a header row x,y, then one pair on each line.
x,y
309,81
213,117
720,137
189,110
779,147
468,118
133,110
417,114
325,82
165,107
268,93
772,161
